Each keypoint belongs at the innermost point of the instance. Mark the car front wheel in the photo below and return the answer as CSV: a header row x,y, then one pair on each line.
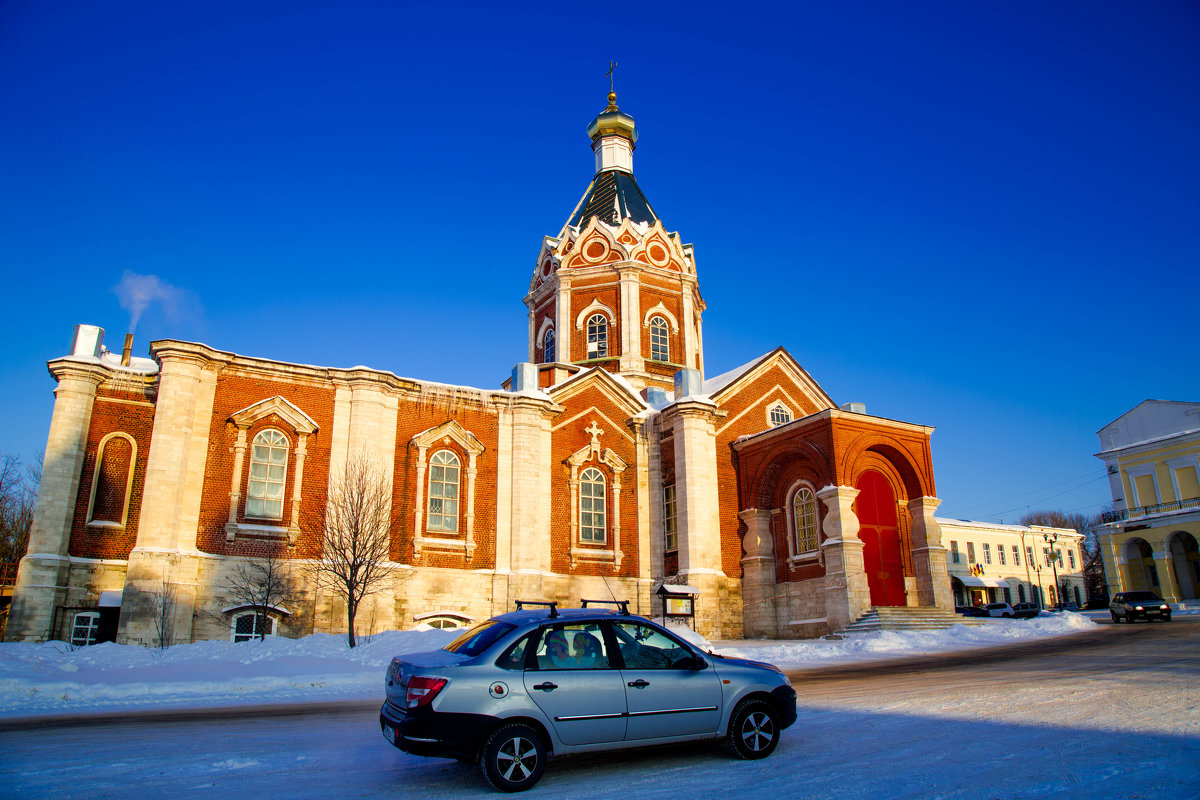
x,y
1116,619
753,730
513,757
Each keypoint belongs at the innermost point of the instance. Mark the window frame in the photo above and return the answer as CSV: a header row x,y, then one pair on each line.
x,y
548,344
987,552
597,332
254,635
434,466
286,447
660,339
798,537
101,450
92,631
593,473
779,414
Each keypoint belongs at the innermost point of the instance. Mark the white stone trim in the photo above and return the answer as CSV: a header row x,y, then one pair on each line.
x,y
453,432
616,465
1140,471
661,311
595,307
105,523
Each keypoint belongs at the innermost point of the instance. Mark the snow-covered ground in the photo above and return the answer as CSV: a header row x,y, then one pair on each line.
x,y
52,678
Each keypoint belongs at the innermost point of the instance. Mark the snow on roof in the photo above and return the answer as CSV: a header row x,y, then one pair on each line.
x,y
714,385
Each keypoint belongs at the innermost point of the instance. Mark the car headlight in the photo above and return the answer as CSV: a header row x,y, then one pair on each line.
x,y
1138,608
1165,607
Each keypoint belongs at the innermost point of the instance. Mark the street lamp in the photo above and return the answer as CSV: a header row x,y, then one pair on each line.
x,y
1051,538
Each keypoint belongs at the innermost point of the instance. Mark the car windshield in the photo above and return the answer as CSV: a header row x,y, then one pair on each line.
x,y
479,638
1151,596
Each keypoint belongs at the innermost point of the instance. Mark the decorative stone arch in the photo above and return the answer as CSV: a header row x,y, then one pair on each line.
x,y
661,311
1140,569
880,448
97,478
595,307
547,324
766,491
595,247
592,454
446,433
302,426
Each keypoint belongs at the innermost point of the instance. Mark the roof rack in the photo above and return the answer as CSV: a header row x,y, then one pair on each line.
x,y
551,604
622,605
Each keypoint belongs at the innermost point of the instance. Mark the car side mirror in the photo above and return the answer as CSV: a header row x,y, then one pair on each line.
x,y
695,663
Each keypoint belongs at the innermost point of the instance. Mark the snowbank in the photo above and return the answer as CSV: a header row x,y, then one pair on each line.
x,y
53,678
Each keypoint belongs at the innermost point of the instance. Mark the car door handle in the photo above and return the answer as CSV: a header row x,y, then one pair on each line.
x,y
638,684
546,687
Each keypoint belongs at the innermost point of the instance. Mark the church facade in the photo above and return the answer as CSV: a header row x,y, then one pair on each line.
x,y
607,466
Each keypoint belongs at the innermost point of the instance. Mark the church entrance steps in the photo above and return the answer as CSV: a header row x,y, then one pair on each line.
x,y
907,618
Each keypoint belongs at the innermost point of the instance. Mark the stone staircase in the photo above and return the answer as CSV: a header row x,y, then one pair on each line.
x,y
903,618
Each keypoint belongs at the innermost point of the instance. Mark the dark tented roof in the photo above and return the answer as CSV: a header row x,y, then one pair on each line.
x,y
612,196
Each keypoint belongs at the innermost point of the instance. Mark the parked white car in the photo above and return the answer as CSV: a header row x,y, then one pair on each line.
x,y
999,610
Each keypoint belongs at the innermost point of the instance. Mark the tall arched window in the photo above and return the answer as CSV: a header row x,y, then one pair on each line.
x,y
112,481
548,346
592,510
444,469
268,469
804,521
597,333
660,343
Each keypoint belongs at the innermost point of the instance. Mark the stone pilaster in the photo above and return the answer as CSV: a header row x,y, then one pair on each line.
x,y
929,556
694,426
847,595
43,574
631,320
529,539
758,574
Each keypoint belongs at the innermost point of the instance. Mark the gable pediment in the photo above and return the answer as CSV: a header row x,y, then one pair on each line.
x,y
283,409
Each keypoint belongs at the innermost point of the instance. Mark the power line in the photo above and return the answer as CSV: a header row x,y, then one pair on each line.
x,y
1088,474
1028,506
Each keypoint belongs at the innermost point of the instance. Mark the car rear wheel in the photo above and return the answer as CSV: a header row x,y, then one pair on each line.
x,y
513,757
753,730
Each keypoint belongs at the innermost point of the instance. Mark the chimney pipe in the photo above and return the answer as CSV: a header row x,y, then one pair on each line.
x,y
127,350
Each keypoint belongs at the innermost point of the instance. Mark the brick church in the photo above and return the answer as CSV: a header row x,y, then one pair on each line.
x,y
605,466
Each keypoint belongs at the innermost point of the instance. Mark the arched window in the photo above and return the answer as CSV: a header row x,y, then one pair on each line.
x,y
1078,599
1021,592
597,336
660,344
804,521
548,346
112,481
251,625
268,468
592,509
444,468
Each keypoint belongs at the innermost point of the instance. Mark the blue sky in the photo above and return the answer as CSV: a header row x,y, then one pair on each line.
x,y
982,217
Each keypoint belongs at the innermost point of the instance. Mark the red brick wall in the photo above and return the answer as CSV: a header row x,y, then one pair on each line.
x,y
651,297
235,392
582,294
415,417
113,411
546,311
564,443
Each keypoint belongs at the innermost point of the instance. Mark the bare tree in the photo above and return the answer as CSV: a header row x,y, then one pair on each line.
x,y
262,582
355,531
163,603
18,495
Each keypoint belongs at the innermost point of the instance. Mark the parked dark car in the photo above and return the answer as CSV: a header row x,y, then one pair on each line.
x,y
1067,607
1025,610
971,611
1130,606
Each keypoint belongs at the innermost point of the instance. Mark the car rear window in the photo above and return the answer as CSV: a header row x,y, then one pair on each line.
x,y
479,638
1140,596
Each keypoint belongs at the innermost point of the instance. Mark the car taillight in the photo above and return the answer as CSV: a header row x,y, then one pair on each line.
x,y
421,691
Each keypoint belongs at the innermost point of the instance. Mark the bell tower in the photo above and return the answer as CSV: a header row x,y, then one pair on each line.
x,y
614,288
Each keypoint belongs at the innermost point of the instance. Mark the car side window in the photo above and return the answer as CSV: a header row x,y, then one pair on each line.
x,y
643,647
514,657
573,646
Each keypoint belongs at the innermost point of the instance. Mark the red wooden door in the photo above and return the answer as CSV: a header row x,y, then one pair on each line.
x,y
876,508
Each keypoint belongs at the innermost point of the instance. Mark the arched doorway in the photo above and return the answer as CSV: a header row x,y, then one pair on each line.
x,y
880,533
1139,561
1185,561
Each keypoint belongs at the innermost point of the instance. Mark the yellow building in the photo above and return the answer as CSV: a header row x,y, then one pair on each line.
x,y
1152,454
993,563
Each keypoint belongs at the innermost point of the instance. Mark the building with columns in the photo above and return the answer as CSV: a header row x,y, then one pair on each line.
x,y
607,465
1149,540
